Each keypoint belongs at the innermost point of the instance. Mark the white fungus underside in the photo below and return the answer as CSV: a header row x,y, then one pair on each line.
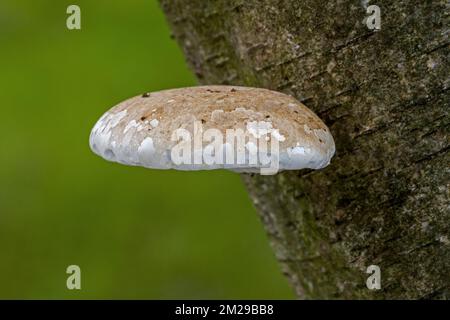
x,y
147,154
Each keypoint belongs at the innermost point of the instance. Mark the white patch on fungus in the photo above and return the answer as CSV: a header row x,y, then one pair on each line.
x,y
154,123
101,133
146,151
101,141
131,124
146,146
115,119
276,134
297,150
251,147
259,129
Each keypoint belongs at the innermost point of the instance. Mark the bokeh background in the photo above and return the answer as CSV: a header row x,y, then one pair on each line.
x,y
135,233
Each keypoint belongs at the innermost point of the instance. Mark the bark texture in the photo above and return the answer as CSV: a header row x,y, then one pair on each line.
x,y
384,199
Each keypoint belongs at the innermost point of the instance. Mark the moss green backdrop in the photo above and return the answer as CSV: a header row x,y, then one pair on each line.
x,y
135,233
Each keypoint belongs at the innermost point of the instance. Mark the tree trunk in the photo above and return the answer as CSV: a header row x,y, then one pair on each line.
x,y
384,200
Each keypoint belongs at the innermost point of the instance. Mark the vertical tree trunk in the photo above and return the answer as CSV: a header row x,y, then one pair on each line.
x,y
384,200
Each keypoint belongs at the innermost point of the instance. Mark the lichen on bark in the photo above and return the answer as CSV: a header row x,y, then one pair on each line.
x,y
384,199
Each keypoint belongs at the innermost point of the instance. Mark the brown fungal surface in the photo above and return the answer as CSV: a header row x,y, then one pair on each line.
x,y
145,124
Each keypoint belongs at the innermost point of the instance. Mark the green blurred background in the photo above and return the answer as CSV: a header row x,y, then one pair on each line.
x,y
135,233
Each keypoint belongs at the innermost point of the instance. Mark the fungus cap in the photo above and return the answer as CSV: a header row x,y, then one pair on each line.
x,y
147,129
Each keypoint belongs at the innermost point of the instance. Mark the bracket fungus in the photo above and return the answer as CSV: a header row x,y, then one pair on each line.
x,y
214,127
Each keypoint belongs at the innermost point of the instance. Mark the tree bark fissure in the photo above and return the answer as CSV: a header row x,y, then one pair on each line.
x,y
385,198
